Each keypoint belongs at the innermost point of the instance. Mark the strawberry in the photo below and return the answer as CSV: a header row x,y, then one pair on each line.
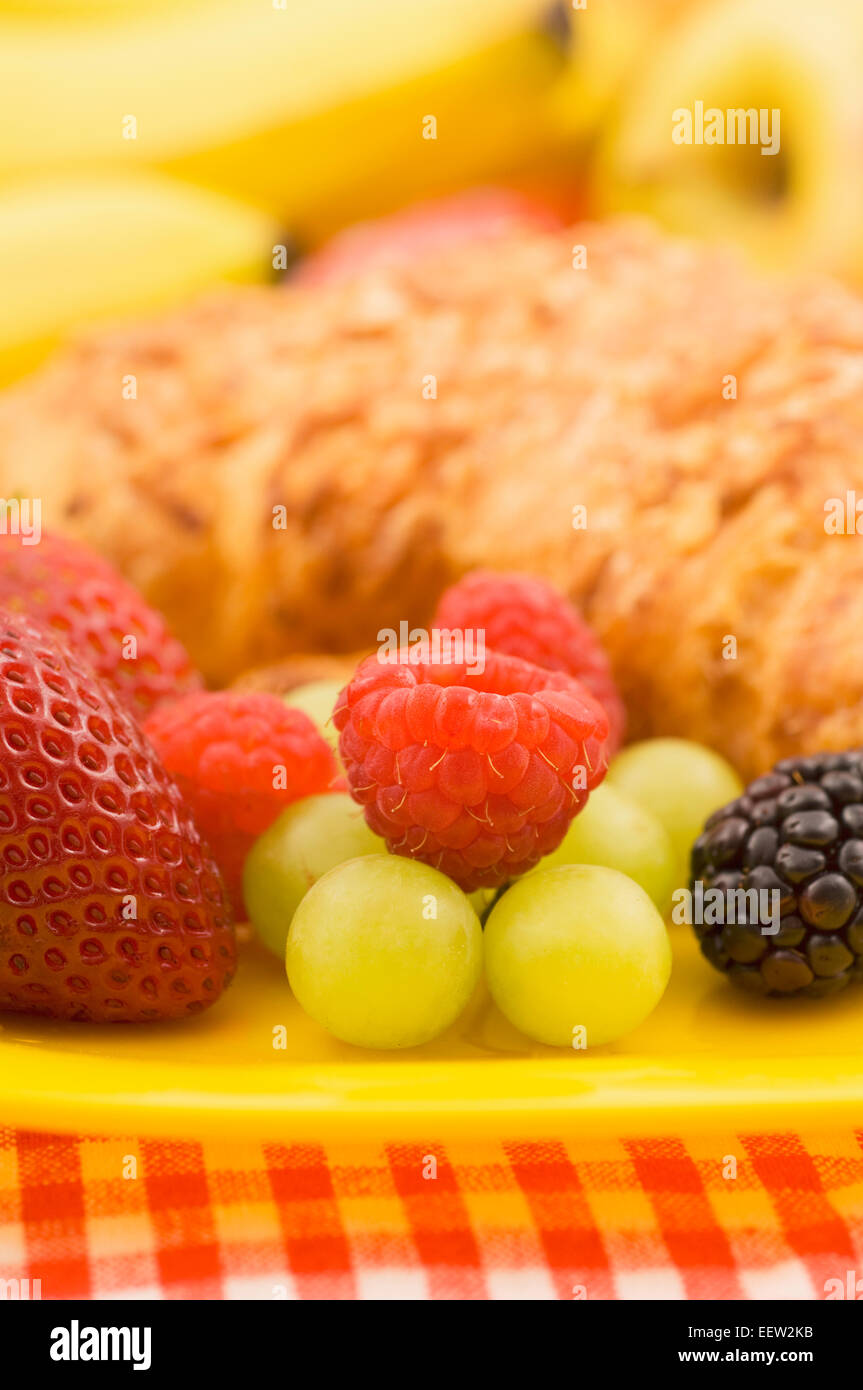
x,y
62,585
110,906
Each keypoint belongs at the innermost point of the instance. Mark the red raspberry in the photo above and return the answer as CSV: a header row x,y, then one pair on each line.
x,y
423,229
472,774
110,906
65,587
239,758
527,617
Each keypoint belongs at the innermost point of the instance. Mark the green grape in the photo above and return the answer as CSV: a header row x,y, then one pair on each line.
x,y
384,952
309,838
317,699
579,947
615,831
681,782
481,899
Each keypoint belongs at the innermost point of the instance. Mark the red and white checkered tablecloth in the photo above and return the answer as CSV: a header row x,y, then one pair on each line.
x,y
636,1218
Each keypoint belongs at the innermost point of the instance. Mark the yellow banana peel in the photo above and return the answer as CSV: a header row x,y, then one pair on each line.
x,y
77,250
163,85
474,120
608,41
800,206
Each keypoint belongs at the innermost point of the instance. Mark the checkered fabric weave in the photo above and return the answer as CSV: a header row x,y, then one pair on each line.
x,y
637,1218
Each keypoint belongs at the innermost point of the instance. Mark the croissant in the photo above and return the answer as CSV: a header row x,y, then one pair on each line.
x,y
674,440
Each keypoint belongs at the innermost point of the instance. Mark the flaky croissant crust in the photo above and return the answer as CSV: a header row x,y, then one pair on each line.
x,y
423,421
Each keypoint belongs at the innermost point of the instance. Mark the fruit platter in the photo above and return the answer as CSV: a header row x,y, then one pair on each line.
x,y
437,896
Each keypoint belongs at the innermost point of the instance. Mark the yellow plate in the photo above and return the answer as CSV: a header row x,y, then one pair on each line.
x,y
707,1057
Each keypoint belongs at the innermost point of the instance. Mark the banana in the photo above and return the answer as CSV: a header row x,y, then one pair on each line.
x,y
164,85
608,41
799,206
80,249
46,11
239,99
363,158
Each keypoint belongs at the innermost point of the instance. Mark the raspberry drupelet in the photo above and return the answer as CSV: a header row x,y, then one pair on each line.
x,y
239,758
526,617
478,775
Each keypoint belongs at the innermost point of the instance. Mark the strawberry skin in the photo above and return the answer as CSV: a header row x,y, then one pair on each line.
x,y
110,906
63,586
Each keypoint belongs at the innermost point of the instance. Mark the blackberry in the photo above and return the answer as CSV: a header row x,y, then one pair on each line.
x,y
798,830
